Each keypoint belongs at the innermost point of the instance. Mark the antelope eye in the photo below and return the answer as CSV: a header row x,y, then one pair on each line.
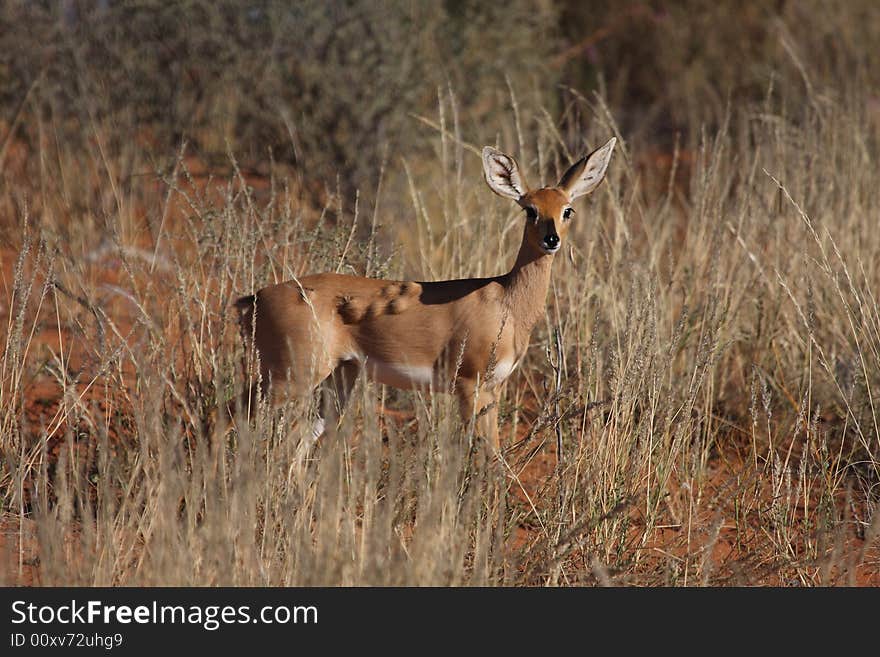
x,y
531,214
567,213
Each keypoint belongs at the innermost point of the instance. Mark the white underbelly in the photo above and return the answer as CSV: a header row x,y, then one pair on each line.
x,y
400,375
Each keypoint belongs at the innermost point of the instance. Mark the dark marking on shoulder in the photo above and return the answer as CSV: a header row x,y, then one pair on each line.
x,y
350,309
398,305
392,299
375,309
410,289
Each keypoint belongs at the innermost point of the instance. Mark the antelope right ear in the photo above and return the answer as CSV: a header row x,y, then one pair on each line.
x,y
502,174
585,175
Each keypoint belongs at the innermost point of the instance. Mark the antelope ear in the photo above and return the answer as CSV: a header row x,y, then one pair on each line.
x,y
585,175
502,174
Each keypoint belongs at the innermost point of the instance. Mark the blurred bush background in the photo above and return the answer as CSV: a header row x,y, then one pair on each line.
x,y
333,87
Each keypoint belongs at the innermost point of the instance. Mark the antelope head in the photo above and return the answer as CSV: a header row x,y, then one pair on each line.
x,y
548,210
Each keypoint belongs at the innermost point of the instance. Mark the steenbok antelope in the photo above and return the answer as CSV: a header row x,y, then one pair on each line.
x,y
464,336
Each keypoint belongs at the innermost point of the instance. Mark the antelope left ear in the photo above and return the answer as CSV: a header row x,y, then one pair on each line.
x,y
585,175
502,174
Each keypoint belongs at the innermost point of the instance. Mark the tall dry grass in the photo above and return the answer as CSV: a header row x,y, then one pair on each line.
x,y
699,407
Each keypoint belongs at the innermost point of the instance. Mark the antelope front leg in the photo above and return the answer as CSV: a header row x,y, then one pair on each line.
x,y
480,405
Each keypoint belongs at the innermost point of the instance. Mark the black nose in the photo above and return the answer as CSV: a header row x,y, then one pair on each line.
x,y
551,241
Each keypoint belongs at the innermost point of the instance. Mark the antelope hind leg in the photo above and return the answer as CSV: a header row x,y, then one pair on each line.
x,y
334,396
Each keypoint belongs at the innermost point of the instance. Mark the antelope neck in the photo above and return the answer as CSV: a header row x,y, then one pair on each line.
x,y
527,285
